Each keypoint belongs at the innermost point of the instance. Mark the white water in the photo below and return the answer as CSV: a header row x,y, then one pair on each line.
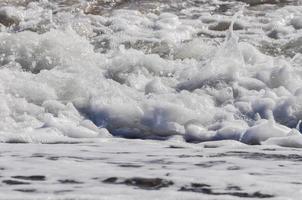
x,y
84,73
69,74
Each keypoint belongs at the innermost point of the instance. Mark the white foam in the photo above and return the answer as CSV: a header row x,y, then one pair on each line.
x,y
146,75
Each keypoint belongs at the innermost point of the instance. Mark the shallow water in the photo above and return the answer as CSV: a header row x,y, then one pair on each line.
x,y
222,79
130,169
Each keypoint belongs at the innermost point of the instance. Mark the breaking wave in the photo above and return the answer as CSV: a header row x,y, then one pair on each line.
x,y
68,73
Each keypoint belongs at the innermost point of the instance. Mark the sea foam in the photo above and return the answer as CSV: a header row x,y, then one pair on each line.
x,y
136,75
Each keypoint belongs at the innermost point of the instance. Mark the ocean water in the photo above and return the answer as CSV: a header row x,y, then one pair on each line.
x,y
165,99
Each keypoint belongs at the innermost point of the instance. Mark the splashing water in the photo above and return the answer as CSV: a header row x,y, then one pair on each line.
x,y
67,73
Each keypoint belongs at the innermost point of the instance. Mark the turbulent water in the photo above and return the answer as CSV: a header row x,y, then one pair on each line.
x,y
210,90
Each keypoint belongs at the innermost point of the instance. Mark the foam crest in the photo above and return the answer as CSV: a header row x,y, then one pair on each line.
x,y
141,74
